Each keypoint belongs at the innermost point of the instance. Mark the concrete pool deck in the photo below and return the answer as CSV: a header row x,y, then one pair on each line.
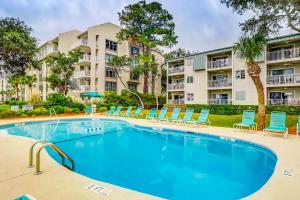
x,y
57,182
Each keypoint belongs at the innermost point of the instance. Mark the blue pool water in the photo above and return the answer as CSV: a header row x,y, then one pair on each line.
x,y
165,163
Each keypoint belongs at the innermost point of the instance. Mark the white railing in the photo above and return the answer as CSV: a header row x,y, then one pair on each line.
x,y
283,54
176,86
174,70
82,41
85,58
218,63
176,101
284,102
283,79
219,83
220,101
82,73
85,88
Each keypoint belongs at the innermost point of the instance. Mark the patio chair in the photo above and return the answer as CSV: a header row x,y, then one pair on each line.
x,y
117,111
247,121
128,112
137,113
298,127
88,110
162,114
203,118
152,114
277,123
175,114
188,115
111,110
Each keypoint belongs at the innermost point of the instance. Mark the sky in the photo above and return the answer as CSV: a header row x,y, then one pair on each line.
x,y
200,24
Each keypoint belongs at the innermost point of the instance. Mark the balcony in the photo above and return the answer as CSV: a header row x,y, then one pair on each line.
x,y
218,64
85,60
287,79
176,101
283,55
82,74
176,86
216,84
284,102
48,51
176,70
85,88
220,101
81,44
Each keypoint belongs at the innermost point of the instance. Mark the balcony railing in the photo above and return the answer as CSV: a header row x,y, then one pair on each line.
x,y
85,58
283,54
219,83
220,101
82,73
284,102
176,101
80,42
218,64
85,88
283,79
176,86
174,70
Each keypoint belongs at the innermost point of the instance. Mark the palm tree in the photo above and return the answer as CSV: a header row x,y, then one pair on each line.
x,y
16,81
29,81
250,48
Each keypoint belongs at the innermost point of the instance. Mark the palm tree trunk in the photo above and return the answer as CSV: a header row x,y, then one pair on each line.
x,y
254,72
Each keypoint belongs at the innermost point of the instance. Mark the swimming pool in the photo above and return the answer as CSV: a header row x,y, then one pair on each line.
x,y
161,162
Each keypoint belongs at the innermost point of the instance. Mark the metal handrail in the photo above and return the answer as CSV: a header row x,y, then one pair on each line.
x,y
31,152
62,154
52,111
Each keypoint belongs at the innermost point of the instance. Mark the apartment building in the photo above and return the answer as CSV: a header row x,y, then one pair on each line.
x,y
220,76
98,44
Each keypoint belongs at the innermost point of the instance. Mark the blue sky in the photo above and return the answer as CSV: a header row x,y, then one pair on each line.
x,y
200,24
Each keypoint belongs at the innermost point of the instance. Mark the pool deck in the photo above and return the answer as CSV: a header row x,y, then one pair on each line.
x,y
57,182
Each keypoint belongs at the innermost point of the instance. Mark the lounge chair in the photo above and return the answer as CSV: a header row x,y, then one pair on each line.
x,y
128,112
117,111
203,118
152,114
188,116
137,113
247,121
162,114
88,110
111,110
175,114
277,123
298,127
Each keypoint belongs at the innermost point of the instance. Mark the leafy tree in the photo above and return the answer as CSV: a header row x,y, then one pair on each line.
x,y
120,64
17,47
148,25
269,15
62,69
177,53
250,48
16,81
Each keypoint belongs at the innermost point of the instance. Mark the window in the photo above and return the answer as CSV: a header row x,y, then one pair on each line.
x,y
134,51
190,96
133,63
189,79
111,45
110,86
132,87
109,57
240,95
134,77
110,73
240,74
278,72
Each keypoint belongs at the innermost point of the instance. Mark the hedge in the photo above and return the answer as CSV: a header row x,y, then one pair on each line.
x,y
237,109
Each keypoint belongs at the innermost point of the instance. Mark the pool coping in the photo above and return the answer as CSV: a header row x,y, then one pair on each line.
x,y
277,187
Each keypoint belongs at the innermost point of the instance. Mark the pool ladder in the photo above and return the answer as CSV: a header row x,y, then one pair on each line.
x,y
44,143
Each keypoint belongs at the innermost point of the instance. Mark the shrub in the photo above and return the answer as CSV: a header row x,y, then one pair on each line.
x,y
68,110
75,110
37,111
77,105
8,113
16,102
102,109
58,109
4,107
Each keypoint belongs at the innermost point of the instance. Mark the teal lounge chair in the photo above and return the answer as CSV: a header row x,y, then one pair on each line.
x,y
175,114
88,110
152,114
111,110
247,121
162,114
128,112
277,123
298,126
203,118
137,113
117,111
188,116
